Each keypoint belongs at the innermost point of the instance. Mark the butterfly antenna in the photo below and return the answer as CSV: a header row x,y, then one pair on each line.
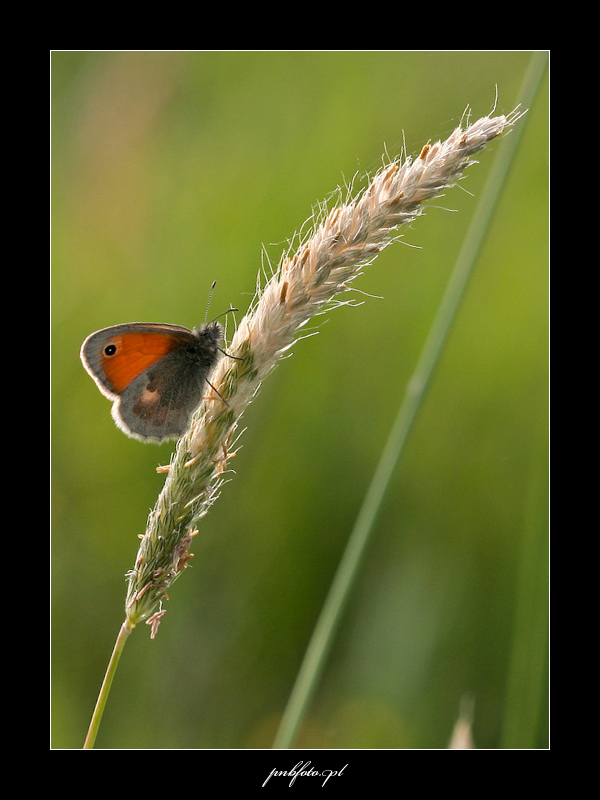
x,y
229,310
210,294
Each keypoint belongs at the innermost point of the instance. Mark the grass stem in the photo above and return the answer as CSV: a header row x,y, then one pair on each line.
x,y
321,641
124,632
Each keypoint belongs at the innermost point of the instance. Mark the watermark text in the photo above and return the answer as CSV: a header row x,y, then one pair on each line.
x,y
304,769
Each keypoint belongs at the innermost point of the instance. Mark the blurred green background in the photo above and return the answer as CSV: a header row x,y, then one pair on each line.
x,y
174,169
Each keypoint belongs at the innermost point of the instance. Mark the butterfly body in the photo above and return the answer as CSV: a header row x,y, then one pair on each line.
x,y
154,373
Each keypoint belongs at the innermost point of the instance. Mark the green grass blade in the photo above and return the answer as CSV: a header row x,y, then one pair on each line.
x,y
322,638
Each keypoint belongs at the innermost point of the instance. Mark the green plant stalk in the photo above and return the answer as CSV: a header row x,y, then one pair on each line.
x,y
124,632
526,690
327,623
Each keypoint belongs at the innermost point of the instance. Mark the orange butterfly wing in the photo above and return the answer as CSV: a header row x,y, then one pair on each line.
x,y
115,356
133,353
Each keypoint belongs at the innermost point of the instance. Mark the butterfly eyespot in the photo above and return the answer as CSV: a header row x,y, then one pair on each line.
x,y
110,349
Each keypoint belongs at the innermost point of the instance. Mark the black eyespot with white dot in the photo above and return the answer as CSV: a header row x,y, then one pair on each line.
x,y
110,349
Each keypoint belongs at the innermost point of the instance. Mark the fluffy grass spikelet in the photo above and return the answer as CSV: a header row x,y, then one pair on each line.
x,y
310,279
